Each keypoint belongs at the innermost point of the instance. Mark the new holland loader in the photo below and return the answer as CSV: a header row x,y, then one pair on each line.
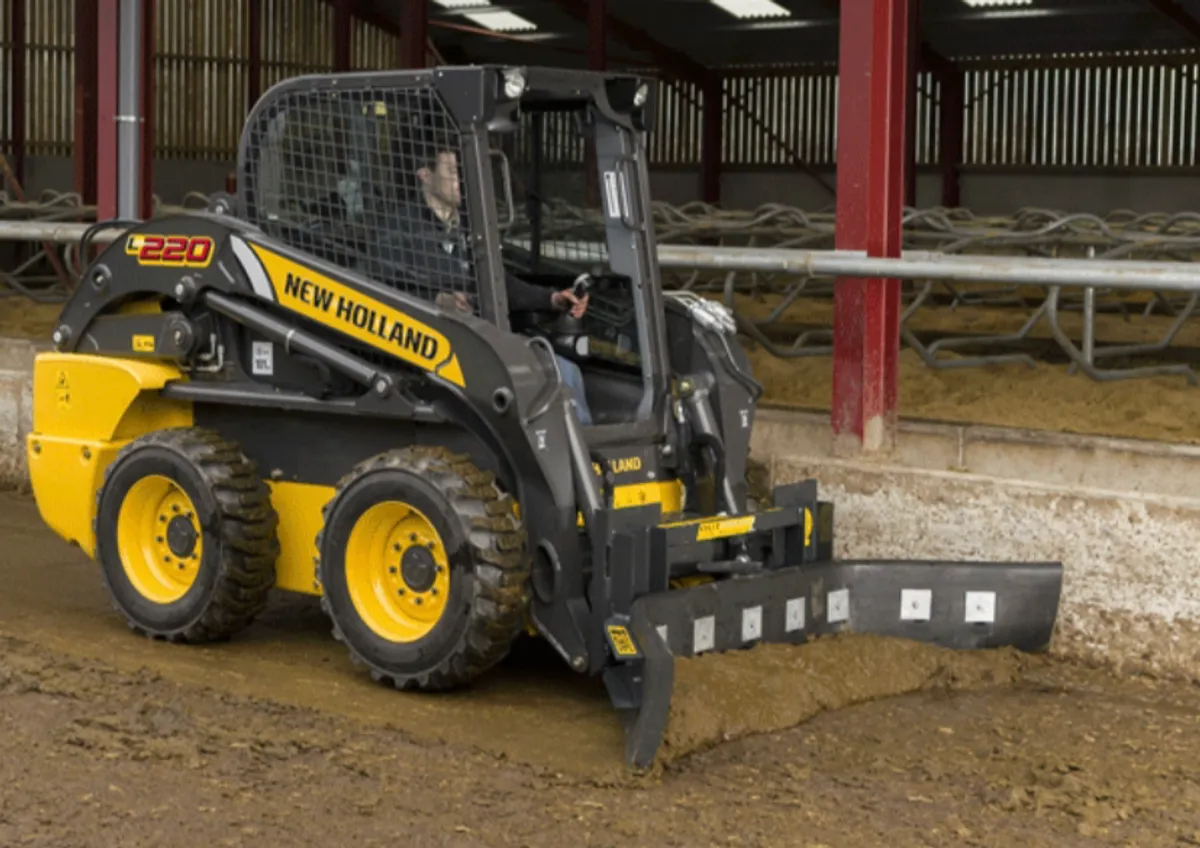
x,y
352,379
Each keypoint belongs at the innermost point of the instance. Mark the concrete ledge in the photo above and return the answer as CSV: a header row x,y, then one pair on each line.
x,y
16,410
1116,465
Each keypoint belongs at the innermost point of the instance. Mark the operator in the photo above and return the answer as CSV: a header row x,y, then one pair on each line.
x,y
434,228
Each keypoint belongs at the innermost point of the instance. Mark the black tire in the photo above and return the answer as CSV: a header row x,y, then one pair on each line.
x,y
235,568
483,544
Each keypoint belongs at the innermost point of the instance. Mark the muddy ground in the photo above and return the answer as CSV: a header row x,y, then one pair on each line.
x,y
109,739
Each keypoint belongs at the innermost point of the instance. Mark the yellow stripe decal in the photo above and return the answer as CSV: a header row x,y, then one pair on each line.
x,y
359,316
669,493
724,527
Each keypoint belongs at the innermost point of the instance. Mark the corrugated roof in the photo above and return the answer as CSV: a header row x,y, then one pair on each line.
x,y
713,37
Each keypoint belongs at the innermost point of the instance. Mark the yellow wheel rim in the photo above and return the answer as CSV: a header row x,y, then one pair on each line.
x,y
397,572
159,539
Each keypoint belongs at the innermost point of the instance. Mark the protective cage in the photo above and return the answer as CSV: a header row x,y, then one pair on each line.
x,y
339,165
339,172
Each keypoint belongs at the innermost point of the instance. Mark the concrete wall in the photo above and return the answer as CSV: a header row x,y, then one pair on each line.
x,y
16,410
983,193
1122,516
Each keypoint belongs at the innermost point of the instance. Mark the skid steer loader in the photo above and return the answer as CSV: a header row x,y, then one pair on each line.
x,y
319,385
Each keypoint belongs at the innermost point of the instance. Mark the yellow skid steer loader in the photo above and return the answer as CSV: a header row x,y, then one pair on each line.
x,y
397,372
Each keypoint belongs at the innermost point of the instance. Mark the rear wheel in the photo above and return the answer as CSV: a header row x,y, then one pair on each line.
x,y
423,568
186,536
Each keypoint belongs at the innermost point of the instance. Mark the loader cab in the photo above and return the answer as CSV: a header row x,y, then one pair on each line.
x,y
441,182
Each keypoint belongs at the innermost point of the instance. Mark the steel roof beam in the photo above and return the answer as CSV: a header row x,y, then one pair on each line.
x,y
1182,18
668,59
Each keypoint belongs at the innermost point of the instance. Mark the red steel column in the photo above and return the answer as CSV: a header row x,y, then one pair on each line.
x,y
597,35
147,109
20,110
108,45
910,105
414,34
872,72
85,100
341,35
597,60
253,53
950,142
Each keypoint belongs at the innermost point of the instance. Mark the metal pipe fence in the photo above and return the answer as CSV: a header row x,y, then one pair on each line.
x,y
774,266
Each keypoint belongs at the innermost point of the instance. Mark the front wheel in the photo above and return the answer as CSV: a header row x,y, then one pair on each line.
x,y
423,568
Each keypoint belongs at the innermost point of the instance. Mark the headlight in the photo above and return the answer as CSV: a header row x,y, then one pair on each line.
x,y
514,84
639,96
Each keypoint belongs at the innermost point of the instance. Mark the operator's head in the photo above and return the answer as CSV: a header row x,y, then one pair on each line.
x,y
438,173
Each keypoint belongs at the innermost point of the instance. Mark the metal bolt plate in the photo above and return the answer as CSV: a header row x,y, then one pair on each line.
x,y
838,605
794,615
916,604
704,634
751,624
981,608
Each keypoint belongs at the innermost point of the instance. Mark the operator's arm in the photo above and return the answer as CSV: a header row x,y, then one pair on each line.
x,y
526,297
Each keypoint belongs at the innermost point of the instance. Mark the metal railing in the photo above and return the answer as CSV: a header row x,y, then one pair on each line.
x,y
775,265
52,225
1030,269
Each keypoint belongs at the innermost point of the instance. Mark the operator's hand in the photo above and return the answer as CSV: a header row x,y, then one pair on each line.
x,y
455,300
566,299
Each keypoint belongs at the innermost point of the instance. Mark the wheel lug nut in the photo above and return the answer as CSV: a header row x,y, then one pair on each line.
x,y
399,591
158,539
431,545
175,508
396,547
433,591
392,570
418,601
412,537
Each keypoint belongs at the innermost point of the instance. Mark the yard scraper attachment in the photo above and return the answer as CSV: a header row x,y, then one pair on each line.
x,y
794,591
370,377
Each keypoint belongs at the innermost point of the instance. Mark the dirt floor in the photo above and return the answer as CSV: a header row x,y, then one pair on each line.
x,y
1013,395
110,739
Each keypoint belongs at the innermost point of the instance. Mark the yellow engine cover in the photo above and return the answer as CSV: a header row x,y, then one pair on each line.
x,y
85,409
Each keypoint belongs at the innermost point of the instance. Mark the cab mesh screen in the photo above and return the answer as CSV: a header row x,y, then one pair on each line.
x,y
366,178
